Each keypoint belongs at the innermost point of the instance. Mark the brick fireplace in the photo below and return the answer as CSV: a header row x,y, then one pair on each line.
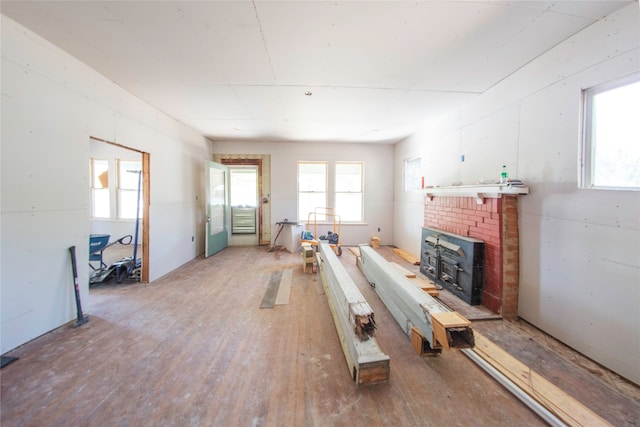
x,y
494,219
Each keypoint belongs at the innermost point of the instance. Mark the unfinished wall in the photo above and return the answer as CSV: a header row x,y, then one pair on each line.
x,y
378,175
579,249
51,105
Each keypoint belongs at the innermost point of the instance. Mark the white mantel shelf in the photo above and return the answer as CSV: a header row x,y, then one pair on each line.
x,y
478,192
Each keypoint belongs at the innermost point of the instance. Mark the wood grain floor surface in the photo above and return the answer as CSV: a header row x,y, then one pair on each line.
x,y
194,349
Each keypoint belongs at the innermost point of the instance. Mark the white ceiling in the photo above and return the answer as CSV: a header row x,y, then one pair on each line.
x,y
239,70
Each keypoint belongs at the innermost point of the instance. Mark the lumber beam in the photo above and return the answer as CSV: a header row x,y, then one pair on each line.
x,y
354,320
413,308
406,256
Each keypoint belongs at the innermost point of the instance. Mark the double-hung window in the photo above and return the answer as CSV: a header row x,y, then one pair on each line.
x,y
312,190
611,135
348,193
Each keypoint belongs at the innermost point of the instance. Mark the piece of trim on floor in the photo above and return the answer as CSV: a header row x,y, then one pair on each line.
x,y
269,298
7,360
284,290
562,405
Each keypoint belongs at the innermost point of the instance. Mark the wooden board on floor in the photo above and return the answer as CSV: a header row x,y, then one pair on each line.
x,y
355,250
284,290
270,294
406,256
555,400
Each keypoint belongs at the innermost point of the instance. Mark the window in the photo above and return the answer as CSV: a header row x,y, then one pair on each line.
x,y
243,181
349,191
100,207
611,137
312,189
129,178
412,174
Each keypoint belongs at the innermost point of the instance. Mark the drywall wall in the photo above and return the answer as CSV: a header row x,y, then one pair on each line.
x,y
378,176
579,249
51,105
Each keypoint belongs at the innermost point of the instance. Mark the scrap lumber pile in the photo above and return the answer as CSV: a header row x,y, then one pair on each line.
x,y
423,318
354,320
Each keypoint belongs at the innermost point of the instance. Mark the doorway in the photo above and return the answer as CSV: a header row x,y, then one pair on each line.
x,y
118,219
243,199
262,165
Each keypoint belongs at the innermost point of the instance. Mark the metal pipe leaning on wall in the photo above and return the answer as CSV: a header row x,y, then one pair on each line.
x,y
354,320
431,325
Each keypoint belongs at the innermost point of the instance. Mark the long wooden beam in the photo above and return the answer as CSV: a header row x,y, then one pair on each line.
x,y
354,320
415,311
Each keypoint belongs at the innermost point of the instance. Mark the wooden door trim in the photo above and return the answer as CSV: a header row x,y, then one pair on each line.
x,y
258,163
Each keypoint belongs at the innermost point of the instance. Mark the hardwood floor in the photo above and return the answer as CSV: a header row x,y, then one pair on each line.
x,y
194,349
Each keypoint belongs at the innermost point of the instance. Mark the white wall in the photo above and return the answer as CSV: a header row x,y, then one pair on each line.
x,y
51,106
378,175
579,249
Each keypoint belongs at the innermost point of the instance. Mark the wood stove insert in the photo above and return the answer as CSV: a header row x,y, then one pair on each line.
x,y
455,262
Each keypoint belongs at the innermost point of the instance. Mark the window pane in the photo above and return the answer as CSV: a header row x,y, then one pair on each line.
x,y
243,187
100,203
127,176
312,177
349,206
100,173
349,177
615,137
128,204
308,202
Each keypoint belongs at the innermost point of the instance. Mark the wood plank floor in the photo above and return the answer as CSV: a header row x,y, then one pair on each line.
x,y
194,349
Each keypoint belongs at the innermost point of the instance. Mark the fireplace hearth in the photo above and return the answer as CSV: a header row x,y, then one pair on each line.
x,y
455,262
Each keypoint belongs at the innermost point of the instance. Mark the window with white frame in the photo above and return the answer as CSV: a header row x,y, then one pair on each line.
x,y
100,206
348,191
412,174
312,190
129,180
611,135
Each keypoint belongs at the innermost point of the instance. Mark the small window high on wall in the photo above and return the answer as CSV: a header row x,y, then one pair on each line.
x,y
412,174
611,135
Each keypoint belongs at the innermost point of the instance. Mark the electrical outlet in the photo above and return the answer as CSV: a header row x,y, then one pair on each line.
x,y
378,229
193,238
